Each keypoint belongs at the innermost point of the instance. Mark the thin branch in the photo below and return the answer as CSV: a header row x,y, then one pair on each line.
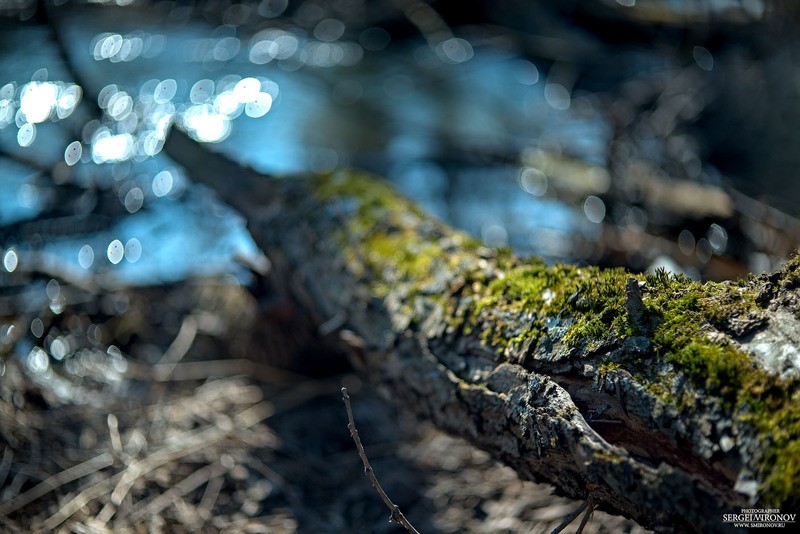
x,y
288,490
113,432
570,518
86,496
56,481
8,455
157,504
209,499
396,515
178,348
587,515
203,370
427,20
47,15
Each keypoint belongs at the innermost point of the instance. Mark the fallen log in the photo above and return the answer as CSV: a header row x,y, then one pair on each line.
x,y
669,401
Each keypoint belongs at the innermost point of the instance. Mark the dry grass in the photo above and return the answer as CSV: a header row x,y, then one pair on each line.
x,y
176,432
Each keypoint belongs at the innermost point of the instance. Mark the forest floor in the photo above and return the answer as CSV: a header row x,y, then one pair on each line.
x,y
173,433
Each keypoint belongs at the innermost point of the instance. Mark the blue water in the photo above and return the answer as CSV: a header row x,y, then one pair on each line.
x,y
330,104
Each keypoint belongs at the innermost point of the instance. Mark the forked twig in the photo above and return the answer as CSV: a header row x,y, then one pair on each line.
x,y
56,481
396,515
588,506
181,489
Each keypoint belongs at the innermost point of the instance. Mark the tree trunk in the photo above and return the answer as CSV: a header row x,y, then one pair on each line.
x,y
670,401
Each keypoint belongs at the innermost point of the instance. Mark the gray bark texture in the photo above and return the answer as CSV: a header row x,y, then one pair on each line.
x,y
668,401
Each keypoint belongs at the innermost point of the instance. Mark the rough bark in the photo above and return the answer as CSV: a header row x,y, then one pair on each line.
x,y
666,400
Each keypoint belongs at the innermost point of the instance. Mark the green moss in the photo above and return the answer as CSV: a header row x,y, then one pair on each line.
x,y
720,370
607,365
403,251
388,242
607,456
373,195
375,218
782,458
681,309
519,291
600,305
592,300
678,314
790,273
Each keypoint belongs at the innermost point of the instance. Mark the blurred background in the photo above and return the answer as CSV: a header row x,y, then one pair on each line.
x,y
635,133
642,134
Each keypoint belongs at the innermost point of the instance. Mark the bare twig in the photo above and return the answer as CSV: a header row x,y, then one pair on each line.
x,y
86,496
570,518
169,497
178,348
56,481
203,370
209,499
288,490
587,515
396,515
5,465
113,432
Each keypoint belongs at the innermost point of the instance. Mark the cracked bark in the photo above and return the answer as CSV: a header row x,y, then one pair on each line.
x,y
541,404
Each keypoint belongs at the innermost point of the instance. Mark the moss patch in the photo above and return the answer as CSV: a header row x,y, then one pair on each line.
x,y
682,310
387,239
590,300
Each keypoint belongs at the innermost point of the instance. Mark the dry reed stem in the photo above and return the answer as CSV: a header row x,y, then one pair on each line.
x,y
395,514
